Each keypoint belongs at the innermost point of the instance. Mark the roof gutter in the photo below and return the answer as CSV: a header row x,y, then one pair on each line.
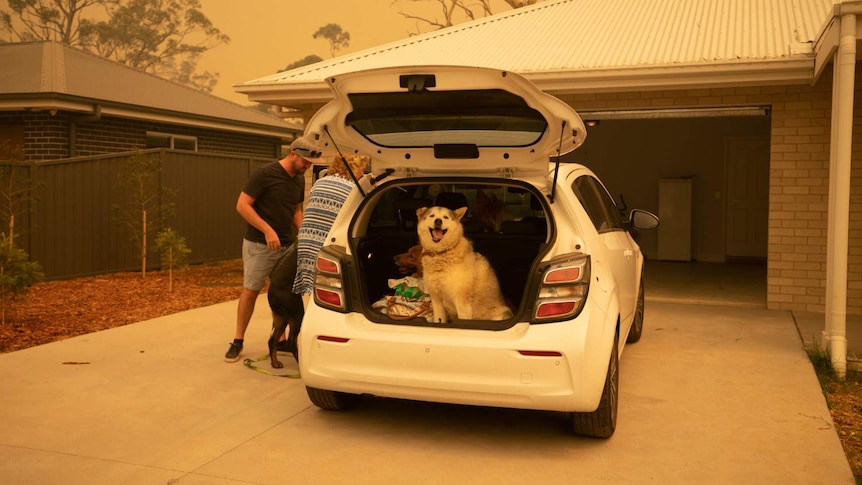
x,y
827,42
773,72
92,111
797,70
313,92
201,122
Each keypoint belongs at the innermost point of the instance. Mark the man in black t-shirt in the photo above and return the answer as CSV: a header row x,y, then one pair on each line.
x,y
271,204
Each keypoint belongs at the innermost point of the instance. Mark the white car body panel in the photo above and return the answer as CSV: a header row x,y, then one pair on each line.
x,y
458,364
446,365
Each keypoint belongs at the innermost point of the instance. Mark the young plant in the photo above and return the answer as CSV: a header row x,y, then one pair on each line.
x,y
17,194
17,273
17,189
173,250
144,212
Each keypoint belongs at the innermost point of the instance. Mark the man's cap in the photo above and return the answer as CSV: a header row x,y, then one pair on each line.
x,y
305,148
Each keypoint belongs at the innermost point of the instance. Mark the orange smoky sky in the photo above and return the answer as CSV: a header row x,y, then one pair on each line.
x,y
267,35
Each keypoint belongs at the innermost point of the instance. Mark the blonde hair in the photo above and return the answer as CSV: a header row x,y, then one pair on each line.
x,y
337,166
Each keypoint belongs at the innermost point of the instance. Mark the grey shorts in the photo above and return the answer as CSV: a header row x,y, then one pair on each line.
x,y
258,262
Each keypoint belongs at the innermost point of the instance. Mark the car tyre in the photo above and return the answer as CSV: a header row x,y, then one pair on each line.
x,y
638,322
332,400
602,422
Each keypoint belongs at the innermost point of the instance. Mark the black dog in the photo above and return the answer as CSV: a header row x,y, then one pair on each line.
x,y
286,306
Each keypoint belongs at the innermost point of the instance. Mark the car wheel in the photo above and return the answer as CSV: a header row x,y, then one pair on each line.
x,y
602,422
638,321
332,400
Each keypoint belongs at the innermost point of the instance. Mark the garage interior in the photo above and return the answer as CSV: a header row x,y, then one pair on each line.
x,y
705,173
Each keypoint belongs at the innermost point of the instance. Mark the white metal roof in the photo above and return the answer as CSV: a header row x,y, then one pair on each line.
x,y
607,44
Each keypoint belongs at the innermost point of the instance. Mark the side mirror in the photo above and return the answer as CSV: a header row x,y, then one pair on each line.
x,y
643,220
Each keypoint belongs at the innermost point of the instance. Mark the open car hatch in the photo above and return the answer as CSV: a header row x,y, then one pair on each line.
x,y
452,118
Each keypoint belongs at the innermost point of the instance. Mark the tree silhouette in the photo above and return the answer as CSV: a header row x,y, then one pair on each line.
x,y
64,22
454,11
305,61
338,38
162,37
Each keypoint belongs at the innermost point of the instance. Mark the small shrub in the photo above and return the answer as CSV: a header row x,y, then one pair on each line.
x,y
822,362
17,273
173,250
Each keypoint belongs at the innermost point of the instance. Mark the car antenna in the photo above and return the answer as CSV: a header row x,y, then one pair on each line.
x,y
344,161
557,164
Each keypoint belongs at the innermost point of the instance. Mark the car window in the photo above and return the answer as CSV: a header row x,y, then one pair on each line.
x,y
483,118
597,203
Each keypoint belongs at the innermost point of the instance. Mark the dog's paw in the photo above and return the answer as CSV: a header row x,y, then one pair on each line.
x,y
273,356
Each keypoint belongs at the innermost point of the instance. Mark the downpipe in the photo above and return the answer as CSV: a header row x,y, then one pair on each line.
x,y
839,199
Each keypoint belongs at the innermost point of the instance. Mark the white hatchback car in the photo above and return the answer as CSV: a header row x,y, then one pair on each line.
x,y
566,262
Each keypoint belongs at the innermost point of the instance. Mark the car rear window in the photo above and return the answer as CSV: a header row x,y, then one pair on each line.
x,y
485,118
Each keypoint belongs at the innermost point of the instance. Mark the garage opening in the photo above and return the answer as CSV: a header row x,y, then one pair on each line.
x,y
723,153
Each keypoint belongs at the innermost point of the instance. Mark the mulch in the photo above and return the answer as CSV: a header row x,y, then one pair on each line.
x,y
56,310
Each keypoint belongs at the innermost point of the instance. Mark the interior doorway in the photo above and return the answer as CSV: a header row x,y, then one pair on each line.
x,y
747,200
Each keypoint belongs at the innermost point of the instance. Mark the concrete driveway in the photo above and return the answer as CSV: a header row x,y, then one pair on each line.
x,y
710,395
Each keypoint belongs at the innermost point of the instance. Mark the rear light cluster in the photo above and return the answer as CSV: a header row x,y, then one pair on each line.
x,y
563,291
329,281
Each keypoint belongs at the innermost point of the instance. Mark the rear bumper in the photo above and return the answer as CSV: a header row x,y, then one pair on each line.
x,y
346,353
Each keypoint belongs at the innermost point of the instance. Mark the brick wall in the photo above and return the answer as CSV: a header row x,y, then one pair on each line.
x,y
47,136
111,135
799,180
798,199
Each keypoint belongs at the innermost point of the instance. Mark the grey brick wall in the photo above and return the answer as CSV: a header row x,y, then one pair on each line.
x,y
48,137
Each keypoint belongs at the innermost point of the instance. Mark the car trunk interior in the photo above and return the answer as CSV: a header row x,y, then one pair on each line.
x,y
505,222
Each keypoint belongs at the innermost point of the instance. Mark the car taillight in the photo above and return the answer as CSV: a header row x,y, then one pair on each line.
x,y
327,265
554,308
329,281
567,274
563,291
331,298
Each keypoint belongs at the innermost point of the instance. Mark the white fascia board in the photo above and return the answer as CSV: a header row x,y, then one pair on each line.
x,y
44,105
107,110
827,41
848,7
794,71
197,122
791,71
294,94
826,47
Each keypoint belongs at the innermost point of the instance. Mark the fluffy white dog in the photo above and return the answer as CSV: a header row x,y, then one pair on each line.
x,y
460,281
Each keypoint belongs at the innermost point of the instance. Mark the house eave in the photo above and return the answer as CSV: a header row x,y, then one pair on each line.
x,y
41,102
290,95
698,76
799,70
